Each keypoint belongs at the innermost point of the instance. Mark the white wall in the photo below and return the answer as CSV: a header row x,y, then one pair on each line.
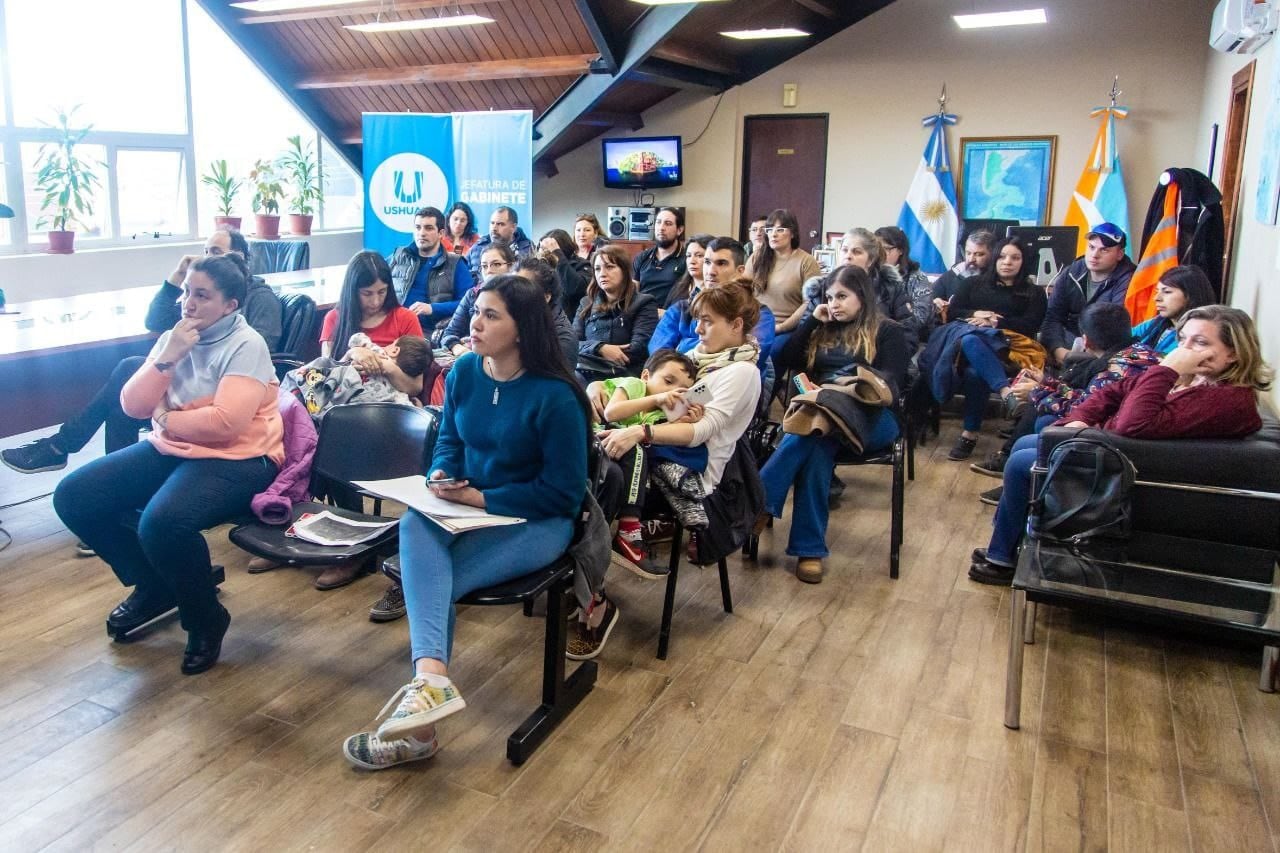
x,y
1255,270
879,77
27,277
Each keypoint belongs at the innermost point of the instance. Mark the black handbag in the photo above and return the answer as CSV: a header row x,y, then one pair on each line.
x,y
1086,493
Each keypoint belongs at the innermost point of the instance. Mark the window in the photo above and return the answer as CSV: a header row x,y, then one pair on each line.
x,y
139,69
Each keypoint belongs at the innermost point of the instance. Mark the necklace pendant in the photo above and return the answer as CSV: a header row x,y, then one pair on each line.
x,y
495,395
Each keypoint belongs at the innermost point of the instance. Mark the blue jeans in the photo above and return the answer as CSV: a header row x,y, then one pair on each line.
x,y
104,408
984,374
162,552
437,568
807,462
1011,512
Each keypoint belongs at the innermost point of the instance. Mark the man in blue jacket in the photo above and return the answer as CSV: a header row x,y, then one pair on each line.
x,y
1101,275
504,226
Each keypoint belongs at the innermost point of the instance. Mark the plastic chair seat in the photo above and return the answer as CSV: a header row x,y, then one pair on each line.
x,y
270,542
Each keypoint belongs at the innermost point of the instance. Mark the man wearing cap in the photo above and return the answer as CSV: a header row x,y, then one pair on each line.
x,y
1101,275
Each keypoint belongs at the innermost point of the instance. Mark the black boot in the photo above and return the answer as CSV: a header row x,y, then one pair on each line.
x,y
141,607
204,646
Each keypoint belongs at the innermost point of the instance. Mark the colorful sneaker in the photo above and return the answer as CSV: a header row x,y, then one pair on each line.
x,y
586,643
390,607
421,703
35,457
630,544
369,752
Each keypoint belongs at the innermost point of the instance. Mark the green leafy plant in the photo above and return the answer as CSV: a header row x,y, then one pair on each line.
x,y
225,184
267,191
67,181
299,163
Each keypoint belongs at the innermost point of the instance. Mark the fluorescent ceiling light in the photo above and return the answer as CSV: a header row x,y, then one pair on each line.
x,y
421,24
765,33
286,5
1001,19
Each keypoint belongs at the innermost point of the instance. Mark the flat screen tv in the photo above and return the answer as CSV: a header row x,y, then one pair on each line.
x,y
643,163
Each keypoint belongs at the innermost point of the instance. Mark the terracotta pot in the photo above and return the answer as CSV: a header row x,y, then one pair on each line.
x,y
220,222
267,226
300,224
62,242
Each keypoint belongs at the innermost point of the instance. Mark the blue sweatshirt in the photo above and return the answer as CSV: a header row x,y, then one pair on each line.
x,y
678,330
524,448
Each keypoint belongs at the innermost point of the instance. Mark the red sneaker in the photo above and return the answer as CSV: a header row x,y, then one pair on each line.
x,y
630,544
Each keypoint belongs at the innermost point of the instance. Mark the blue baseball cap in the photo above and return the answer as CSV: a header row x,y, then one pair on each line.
x,y
1110,235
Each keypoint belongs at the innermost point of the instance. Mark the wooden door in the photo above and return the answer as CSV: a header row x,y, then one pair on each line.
x,y
1232,162
784,164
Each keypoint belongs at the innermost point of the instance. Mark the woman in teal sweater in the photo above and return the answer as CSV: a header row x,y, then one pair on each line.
x,y
513,441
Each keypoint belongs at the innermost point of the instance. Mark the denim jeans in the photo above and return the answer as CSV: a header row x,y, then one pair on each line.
x,y
162,552
437,568
807,463
1011,513
104,408
984,374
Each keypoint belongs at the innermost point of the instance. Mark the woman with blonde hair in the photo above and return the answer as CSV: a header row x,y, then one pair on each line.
x,y
614,321
1207,387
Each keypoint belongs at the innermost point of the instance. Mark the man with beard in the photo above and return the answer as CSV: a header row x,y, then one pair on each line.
x,y
657,269
503,228
977,257
428,280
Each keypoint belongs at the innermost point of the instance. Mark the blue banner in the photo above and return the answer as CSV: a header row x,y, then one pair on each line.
x,y
414,160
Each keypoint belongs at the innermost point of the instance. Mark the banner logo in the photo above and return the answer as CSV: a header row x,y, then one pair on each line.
x,y
402,184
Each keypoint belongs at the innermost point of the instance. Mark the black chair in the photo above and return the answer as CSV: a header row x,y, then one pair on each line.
x,y
270,256
900,456
299,326
998,227
359,441
560,695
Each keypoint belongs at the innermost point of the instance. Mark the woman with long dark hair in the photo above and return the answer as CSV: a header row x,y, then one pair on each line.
x,y
368,304
845,330
614,321
695,249
896,249
514,434
780,268
461,233
1002,297
557,249
1177,292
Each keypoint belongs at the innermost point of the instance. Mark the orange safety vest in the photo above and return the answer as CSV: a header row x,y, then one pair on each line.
x,y
1160,256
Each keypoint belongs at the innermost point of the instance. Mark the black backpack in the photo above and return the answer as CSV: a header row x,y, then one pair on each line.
x,y
1086,492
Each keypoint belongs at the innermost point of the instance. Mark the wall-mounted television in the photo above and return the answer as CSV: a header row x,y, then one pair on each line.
x,y
642,163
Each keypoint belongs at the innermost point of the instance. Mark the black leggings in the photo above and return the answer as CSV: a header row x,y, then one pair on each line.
x,y
104,408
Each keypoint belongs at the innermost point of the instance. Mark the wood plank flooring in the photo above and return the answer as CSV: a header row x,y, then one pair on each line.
x,y
863,713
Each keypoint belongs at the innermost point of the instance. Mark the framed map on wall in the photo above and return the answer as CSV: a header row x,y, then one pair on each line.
x,y
1007,177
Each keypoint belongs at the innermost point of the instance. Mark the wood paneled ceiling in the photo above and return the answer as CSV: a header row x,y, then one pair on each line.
x,y
581,66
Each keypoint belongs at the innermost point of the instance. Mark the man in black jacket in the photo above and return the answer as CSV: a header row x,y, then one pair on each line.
x,y
1101,275
659,267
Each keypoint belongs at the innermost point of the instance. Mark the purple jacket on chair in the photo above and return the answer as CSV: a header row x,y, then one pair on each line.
x,y
275,504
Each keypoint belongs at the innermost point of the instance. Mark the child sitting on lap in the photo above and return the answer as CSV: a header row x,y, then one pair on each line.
x,y
410,353
323,383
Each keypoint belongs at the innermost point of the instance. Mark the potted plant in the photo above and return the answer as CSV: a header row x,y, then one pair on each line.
x,y
267,193
227,186
66,181
303,171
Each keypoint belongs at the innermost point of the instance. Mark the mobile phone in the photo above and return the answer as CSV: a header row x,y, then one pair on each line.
x,y
698,395
442,481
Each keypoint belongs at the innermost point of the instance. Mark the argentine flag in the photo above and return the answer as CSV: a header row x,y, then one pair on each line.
x,y
929,214
1100,195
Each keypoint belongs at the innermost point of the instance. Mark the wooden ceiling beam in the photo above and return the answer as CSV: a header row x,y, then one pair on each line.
x,y
683,56
673,75
602,36
820,8
631,121
454,72
354,9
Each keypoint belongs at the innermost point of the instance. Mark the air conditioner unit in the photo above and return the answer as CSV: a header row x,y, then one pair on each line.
x,y
1243,26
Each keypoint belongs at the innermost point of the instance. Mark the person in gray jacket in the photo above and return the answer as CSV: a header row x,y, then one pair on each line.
x,y
1102,274
503,226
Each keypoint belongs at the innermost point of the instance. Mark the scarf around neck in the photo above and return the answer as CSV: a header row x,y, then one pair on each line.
x,y
709,362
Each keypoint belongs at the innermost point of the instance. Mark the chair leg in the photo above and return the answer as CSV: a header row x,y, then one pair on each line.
x,y
1270,664
669,599
559,695
1013,676
911,451
896,511
725,596
1029,625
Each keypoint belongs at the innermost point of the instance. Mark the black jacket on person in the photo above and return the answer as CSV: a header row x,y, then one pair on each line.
x,y
574,274
1062,317
1021,306
892,359
633,326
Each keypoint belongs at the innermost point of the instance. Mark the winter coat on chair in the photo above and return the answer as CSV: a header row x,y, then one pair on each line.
x,y
275,504
1201,229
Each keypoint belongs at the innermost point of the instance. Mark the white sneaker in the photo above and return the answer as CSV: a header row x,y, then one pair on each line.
x,y
421,703
368,752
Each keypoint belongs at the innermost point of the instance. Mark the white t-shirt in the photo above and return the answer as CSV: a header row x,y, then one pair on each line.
x,y
735,392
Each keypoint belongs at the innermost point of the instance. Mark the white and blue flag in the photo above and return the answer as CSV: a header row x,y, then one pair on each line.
x,y
929,214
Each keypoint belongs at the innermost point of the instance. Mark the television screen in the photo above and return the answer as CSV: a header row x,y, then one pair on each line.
x,y
642,162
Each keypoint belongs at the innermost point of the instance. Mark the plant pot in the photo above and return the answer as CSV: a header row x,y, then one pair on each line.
x,y
62,242
267,226
300,224
220,222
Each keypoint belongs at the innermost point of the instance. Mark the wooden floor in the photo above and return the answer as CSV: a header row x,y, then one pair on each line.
x,y
860,714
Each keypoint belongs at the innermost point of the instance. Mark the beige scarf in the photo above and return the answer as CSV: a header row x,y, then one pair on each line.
x,y
711,361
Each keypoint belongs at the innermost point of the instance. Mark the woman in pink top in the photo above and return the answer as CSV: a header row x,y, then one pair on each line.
x,y
368,304
216,441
